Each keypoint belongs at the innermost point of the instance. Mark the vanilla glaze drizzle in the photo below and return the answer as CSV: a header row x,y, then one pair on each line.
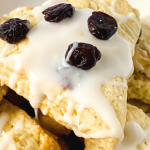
x,y
8,140
43,60
134,136
4,117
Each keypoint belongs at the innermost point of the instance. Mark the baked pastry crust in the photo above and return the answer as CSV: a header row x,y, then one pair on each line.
x,y
137,115
26,142
141,58
32,132
3,91
139,88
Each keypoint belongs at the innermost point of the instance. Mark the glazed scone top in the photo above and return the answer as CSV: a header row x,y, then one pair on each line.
x,y
48,69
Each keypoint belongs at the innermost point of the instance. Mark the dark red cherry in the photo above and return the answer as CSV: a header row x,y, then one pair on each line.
x,y
14,30
82,55
58,12
101,25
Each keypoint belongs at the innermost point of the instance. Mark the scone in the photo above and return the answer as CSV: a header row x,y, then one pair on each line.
x,y
18,139
19,131
3,91
141,58
45,121
89,99
139,87
141,105
51,125
137,130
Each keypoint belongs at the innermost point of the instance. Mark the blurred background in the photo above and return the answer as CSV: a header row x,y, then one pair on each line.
x,y
8,5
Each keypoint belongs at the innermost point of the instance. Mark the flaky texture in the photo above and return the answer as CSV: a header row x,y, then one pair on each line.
x,y
3,91
117,95
139,82
141,58
31,128
23,140
139,87
137,115
23,13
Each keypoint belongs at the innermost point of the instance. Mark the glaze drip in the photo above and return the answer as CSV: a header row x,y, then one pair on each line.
x,y
134,136
20,124
8,140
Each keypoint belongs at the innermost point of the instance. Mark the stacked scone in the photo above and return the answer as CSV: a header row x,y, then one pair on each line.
x,y
72,61
139,87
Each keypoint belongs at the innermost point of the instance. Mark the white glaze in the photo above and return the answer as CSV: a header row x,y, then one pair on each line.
x,y
43,60
44,111
146,21
147,72
115,83
20,123
2,83
7,48
134,135
123,20
35,94
138,65
68,117
146,146
79,112
147,47
36,114
75,45
4,117
19,88
8,140
144,53
13,79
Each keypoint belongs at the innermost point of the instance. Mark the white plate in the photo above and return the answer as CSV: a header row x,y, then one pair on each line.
x,y
7,5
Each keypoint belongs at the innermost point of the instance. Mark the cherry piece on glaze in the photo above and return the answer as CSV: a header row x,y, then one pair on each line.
x,y
82,55
58,12
101,25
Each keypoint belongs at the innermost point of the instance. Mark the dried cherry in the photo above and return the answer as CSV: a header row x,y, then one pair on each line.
x,y
14,30
101,25
58,12
83,55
